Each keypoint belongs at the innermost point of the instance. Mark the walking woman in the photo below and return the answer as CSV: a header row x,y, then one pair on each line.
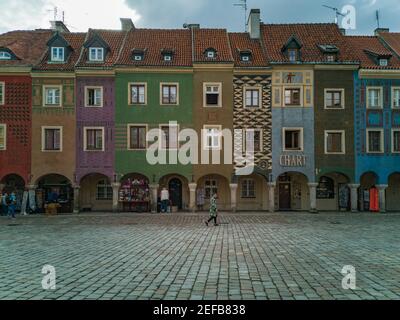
x,y
213,210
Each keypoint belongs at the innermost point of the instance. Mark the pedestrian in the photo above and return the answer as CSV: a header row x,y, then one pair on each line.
x,y
200,199
164,200
213,210
4,207
11,203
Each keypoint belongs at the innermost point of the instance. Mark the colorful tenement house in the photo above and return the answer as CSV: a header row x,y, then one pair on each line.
x,y
377,121
19,51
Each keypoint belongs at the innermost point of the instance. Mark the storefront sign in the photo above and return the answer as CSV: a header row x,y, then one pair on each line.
x,y
293,161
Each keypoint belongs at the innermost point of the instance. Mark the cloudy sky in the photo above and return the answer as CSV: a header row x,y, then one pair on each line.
x,y
82,14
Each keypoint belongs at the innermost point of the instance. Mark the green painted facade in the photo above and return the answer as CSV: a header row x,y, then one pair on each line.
x,y
152,114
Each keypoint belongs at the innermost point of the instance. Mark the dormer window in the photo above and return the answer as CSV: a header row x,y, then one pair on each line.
x,y
211,53
331,58
138,55
293,55
383,62
167,57
245,56
96,54
57,54
5,55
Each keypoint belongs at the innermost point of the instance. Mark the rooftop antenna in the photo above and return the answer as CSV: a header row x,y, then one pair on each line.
x,y
378,19
337,13
243,4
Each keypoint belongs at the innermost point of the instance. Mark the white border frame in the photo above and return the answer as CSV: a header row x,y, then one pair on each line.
x,y
392,96
260,99
4,125
177,94
130,103
102,54
286,87
381,98
61,139
284,129
261,139
392,138
44,96
52,57
382,131
3,98
343,132
206,84
87,96
129,126
85,140
343,102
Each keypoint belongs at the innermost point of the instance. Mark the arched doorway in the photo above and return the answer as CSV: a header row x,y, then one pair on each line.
x,y
333,192
252,193
369,197
293,192
178,187
134,194
14,183
55,188
175,193
210,184
393,192
96,193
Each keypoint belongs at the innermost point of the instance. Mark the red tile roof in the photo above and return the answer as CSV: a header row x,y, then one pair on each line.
x,y
114,40
392,39
28,46
242,42
363,44
76,41
311,35
217,39
153,42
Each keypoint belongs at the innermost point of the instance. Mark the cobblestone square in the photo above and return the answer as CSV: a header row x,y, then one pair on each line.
x,y
249,256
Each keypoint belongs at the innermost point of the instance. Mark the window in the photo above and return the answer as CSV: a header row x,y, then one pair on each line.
x,y
137,137
5,55
248,189
57,54
169,94
383,62
3,136
374,141
252,98
395,98
52,96
94,139
330,58
253,141
245,57
395,141
167,57
212,137
335,142
334,98
293,139
292,97
52,139
96,54
374,98
94,97
2,93
210,187
169,139
211,54
292,53
138,94
212,95
104,190
138,57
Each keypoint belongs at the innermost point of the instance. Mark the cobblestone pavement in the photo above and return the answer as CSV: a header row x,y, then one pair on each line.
x,y
249,256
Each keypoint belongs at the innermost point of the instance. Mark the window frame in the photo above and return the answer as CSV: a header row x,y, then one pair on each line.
x,y
177,137
381,97
205,138
392,138
87,88
301,96
245,140
4,126
97,50
137,125
3,93
301,142
382,140
85,144
63,54
44,128
106,187
392,104
212,84
211,187
296,59
45,87
342,98
343,142
169,84
248,88
247,189
6,56
130,85
381,64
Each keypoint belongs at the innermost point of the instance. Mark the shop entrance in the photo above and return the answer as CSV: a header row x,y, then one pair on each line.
x,y
55,189
175,193
285,196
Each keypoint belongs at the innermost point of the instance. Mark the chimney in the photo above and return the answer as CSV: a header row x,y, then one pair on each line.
x,y
59,26
254,24
342,31
127,24
381,30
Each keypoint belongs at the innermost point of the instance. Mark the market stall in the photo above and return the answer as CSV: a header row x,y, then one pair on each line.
x,y
54,190
134,195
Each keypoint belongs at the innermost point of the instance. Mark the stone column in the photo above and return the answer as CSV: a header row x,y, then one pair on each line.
x,y
271,196
32,188
154,197
115,206
313,197
382,197
354,197
192,198
77,188
234,187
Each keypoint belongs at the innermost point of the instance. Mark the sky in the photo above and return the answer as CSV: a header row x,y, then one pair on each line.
x,y
105,14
